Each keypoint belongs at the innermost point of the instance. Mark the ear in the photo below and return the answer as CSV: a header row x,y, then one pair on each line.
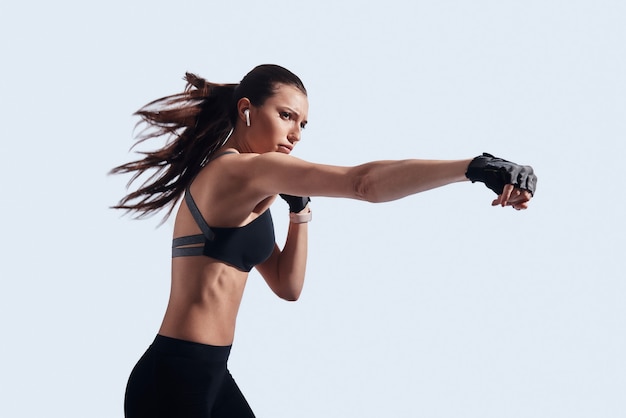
x,y
242,105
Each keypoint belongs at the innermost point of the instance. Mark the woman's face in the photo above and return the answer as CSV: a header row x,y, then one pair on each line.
x,y
276,126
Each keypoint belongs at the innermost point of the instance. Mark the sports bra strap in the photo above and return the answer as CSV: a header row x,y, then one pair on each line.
x,y
197,216
188,251
195,212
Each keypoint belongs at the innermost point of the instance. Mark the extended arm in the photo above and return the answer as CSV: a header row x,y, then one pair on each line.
x,y
377,181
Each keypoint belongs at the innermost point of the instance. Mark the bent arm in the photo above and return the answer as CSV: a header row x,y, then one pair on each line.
x,y
284,270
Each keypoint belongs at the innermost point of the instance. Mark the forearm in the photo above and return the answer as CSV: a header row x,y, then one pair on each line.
x,y
382,181
292,262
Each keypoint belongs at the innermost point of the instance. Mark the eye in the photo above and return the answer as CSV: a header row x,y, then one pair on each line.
x,y
285,115
302,125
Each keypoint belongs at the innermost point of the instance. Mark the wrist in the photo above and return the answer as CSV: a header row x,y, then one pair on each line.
x,y
476,168
304,216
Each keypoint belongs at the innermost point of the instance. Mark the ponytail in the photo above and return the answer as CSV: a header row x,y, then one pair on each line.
x,y
195,122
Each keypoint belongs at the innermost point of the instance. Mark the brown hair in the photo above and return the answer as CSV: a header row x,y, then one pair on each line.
x,y
196,123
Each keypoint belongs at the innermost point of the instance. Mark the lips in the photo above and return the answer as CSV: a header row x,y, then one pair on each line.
x,y
284,148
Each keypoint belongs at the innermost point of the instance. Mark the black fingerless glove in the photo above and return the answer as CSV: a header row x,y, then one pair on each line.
x,y
296,203
497,173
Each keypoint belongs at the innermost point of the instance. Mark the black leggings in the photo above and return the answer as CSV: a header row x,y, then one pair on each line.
x,y
183,379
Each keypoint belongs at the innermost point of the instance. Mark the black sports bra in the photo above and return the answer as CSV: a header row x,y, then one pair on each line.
x,y
243,247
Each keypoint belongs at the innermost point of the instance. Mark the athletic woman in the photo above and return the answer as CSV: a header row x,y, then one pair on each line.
x,y
228,158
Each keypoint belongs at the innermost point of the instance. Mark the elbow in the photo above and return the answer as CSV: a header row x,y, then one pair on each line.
x,y
363,187
290,293
290,296
288,285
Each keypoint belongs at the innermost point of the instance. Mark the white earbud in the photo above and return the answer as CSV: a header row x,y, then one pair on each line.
x,y
247,113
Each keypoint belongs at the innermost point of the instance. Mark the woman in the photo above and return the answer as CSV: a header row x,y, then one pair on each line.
x,y
229,156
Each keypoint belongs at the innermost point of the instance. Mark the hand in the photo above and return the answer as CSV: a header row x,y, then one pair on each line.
x,y
513,196
296,203
496,173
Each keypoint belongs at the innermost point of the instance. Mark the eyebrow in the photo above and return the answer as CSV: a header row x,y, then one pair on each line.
x,y
289,108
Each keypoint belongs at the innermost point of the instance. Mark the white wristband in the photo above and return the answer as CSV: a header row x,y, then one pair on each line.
x,y
300,218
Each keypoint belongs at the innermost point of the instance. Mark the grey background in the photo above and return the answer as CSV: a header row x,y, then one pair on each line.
x,y
437,305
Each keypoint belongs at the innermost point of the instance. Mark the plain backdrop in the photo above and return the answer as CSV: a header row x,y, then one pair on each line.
x,y
434,306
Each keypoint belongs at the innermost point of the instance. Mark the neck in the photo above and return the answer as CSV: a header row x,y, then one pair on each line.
x,y
238,141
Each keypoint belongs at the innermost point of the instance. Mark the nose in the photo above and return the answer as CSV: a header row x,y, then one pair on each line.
x,y
294,135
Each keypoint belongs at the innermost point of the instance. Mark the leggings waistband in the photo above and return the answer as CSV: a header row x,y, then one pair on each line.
x,y
169,345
